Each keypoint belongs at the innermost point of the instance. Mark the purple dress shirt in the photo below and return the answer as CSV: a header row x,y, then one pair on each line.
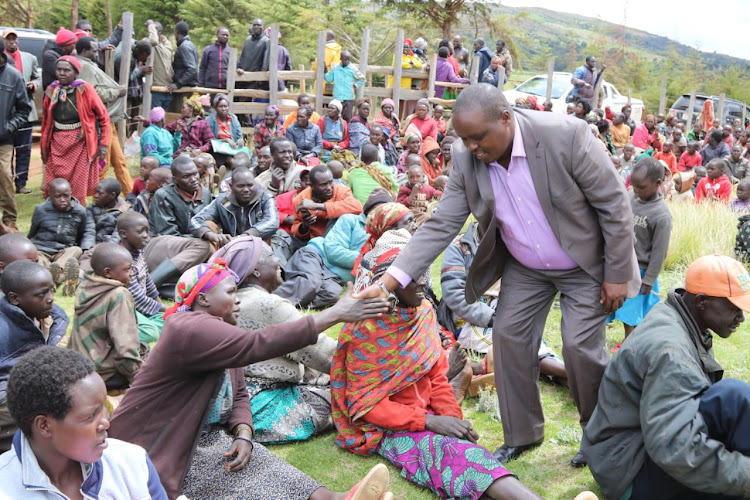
x,y
523,226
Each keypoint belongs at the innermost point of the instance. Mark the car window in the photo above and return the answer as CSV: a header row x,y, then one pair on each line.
x,y
538,86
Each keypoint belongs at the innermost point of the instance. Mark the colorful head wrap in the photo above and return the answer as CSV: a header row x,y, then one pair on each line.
x,y
387,100
273,109
335,103
195,103
412,131
157,114
72,60
198,279
380,223
241,255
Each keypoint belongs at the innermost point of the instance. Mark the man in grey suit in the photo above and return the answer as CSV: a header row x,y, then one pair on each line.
x,y
555,218
29,67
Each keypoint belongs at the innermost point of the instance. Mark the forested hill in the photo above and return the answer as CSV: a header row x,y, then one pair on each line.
x,y
541,31
635,59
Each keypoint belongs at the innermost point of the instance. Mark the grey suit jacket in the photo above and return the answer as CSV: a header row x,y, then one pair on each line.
x,y
580,192
31,74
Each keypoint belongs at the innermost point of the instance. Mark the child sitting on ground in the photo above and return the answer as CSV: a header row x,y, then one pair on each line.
x,y
652,225
627,160
148,163
13,247
416,194
132,228
690,158
683,183
107,207
442,125
61,230
105,329
440,182
206,165
337,169
742,203
158,178
29,318
667,156
716,186
735,166
58,402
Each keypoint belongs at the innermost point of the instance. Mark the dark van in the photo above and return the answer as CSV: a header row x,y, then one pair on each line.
x,y
732,108
33,42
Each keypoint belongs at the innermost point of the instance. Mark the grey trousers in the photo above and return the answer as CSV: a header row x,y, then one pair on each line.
x,y
183,252
308,282
523,305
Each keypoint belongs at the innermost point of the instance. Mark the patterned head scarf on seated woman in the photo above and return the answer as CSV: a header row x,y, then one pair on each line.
x,y
198,279
380,220
241,255
195,103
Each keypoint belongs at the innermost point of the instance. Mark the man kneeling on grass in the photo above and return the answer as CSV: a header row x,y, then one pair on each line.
x,y
666,426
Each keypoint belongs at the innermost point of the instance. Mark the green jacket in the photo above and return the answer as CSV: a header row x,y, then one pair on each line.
x,y
648,402
105,328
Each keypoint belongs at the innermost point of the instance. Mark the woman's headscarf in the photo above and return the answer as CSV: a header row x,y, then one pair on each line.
x,y
380,357
72,60
429,144
217,98
198,279
335,103
157,114
388,100
411,131
241,255
390,125
57,89
273,109
379,222
195,103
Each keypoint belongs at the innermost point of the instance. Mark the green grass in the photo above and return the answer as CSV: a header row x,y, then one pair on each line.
x,y
698,231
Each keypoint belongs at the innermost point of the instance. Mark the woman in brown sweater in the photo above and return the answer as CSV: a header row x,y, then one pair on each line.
x,y
189,406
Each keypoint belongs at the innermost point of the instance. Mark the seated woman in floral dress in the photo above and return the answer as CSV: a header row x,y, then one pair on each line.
x,y
290,395
390,395
189,406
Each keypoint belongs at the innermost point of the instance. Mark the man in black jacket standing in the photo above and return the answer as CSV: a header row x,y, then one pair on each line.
x,y
14,111
185,62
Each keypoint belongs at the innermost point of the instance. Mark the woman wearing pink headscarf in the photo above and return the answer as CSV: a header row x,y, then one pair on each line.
x,y
388,119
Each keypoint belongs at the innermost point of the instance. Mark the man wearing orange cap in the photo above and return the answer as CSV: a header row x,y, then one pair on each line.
x,y
64,44
666,425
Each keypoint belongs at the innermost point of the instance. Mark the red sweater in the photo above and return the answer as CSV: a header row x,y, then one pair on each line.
x,y
285,207
714,190
427,127
405,191
670,159
406,409
688,161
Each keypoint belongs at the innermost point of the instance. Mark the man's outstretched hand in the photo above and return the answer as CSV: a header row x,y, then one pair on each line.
x,y
350,309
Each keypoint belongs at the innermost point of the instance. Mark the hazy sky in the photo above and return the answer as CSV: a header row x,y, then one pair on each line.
x,y
675,19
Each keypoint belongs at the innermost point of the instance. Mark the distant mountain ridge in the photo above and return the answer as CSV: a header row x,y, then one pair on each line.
x,y
542,30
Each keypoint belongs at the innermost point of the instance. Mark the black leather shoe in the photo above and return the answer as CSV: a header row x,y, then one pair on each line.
x,y
506,453
578,460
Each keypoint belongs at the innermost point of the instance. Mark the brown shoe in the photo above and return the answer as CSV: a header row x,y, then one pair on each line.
x,y
71,278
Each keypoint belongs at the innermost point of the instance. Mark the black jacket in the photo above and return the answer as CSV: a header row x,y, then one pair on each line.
x,y
14,102
185,64
50,55
52,231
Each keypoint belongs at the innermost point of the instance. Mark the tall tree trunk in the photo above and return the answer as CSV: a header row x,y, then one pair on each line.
x,y
109,16
447,29
30,15
73,14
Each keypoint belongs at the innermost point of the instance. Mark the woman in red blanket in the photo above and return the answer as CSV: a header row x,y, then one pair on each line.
x,y
390,395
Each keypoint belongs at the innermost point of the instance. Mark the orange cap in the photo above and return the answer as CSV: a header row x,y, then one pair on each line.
x,y
720,276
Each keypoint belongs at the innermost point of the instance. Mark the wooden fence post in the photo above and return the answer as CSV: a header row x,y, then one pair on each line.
x,y
474,76
302,82
691,109
109,63
231,76
146,103
125,56
550,76
273,66
720,111
319,82
397,69
663,95
431,78
363,56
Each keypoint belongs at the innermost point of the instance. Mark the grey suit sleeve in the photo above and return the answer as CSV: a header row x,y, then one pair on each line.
x,y
438,231
606,194
35,76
